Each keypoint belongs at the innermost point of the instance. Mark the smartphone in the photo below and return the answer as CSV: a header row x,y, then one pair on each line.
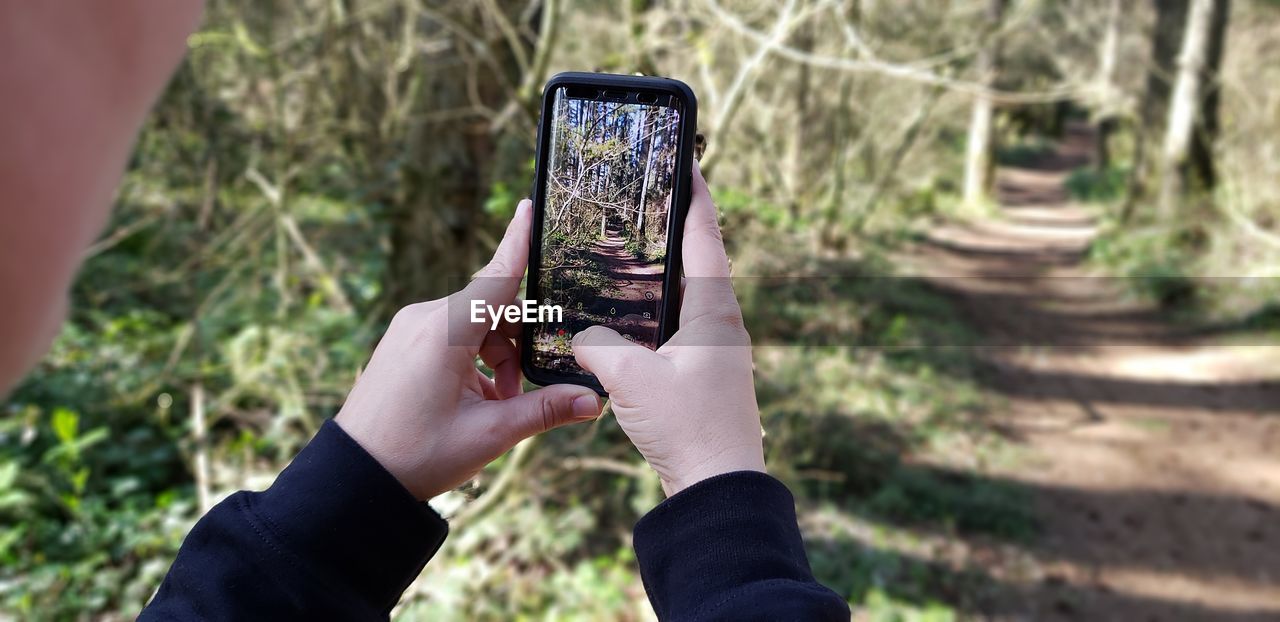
x,y
611,189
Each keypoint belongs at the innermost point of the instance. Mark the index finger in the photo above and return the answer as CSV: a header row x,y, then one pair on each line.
x,y
703,246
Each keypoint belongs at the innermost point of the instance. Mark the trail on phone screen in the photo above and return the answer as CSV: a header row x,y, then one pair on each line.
x,y
632,278
1152,452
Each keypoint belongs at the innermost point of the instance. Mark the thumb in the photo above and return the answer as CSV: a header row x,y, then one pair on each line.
x,y
611,357
495,284
537,411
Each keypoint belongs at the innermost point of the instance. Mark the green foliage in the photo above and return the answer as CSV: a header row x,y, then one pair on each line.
x,y
884,583
83,523
215,281
1024,150
1152,261
1105,186
1168,266
637,248
1264,319
571,273
739,208
964,503
881,607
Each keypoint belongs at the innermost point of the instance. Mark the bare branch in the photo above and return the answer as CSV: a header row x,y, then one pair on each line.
x,y
746,76
893,70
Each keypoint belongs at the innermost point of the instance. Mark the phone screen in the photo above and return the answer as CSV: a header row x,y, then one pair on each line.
x,y
610,174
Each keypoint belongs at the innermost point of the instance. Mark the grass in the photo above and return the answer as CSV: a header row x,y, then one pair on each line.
x,y
862,378
1091,185
888,572
961,502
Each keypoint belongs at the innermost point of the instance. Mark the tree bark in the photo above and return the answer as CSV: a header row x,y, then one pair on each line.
x,y
979,158
802,140
1108,61
1166,40
1185,104
646,126
1203,170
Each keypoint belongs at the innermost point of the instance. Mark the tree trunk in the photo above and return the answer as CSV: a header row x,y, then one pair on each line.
x,y
439,207
801,143
1185,106
1203,171
979,158
648,126
1108,60
1166,40
1109,53
1102,146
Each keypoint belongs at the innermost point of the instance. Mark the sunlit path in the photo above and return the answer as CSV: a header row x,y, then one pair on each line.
x,y
1151,449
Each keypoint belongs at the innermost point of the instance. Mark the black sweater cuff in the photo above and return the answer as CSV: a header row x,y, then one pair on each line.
x,y
729,547
336,510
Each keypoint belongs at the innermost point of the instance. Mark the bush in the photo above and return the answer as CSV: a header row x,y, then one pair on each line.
x,y
637,248
1094,186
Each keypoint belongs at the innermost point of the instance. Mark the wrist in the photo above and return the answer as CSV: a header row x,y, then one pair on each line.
x,y
381,449
720,465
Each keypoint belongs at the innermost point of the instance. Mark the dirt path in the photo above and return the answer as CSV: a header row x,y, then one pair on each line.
x,y
1154,454
637,288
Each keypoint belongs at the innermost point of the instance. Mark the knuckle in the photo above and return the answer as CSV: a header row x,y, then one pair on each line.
x,y
417,321
711,232
731,319
724,329
410,314
731,315
545,416
498,266
625,368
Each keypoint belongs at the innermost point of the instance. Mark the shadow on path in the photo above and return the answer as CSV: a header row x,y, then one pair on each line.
x,y
1150,450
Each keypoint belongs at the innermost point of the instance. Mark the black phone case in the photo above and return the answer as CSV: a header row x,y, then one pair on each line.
x,y
670,319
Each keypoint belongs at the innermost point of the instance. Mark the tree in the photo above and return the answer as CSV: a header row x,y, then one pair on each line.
x,y
1203,167
1108,61
1197,74
646,129
471,86
801,145
1166,36
979,157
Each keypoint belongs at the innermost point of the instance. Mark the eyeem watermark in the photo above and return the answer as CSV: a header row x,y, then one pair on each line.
x,y
528,311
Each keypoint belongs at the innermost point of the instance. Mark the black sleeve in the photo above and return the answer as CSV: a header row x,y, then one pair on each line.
x,y
335,537
729,548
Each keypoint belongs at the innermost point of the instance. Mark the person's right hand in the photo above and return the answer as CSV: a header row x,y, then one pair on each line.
x,y
690,407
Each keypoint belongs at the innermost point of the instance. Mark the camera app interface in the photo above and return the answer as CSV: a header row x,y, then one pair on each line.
x,y
610,176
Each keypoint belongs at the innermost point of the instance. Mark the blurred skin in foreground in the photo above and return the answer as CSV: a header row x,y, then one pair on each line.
x,y
79,81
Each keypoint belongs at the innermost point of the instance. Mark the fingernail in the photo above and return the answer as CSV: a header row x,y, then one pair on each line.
x,y
523,206
586,407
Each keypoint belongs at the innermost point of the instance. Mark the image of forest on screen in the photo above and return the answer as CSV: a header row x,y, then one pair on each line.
x,y
609,186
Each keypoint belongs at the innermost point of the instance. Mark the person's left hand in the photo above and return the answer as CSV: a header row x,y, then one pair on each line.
x,y
423,410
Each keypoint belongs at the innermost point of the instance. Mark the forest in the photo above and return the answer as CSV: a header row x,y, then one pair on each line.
x,y
1008,265
612,164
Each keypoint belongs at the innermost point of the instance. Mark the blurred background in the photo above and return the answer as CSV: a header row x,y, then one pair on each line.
x,y
1019,367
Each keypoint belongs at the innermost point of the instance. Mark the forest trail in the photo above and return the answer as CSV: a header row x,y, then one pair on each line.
x,y
637,287
1153,453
